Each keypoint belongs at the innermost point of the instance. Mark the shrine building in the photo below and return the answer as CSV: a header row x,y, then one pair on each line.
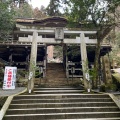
x,y
50,32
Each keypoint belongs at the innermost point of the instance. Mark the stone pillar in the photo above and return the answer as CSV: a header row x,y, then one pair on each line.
x,y
84,61
83,54
45,62
32,66
66,57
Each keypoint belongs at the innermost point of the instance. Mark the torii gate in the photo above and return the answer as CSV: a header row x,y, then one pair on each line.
x,y
59,34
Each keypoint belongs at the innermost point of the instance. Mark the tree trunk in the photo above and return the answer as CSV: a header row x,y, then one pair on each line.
x,y
96,61
100,36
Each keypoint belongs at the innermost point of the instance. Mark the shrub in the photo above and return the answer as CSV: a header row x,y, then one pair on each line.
x,y
111,87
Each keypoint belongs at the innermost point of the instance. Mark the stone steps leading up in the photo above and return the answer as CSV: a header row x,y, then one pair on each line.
x,y
58,110
64,115
64,100
50,104
55,75
57,91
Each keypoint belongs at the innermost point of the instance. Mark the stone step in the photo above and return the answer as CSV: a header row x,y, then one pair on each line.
x,y
55,96
53,73
53,76
65,100
56,67
60,79
54,105
50,65
62,103
26,118
54,84
62,71
75,115
58,91
60,110
63,88
55,79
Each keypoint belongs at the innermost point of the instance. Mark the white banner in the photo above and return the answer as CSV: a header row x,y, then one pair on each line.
x,y
9,77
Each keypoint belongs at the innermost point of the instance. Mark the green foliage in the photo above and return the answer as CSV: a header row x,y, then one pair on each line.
x,y
111,87
114,55
22,73
92,13
92,73
58,52
82,10
37,74
6,20
25,11
53,8
108,87
18,3
73,51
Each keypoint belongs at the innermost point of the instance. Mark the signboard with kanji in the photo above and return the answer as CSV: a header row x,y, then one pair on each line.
x,y
59,34
9,77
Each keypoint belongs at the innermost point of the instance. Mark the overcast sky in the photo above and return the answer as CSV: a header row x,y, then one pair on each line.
x,y
38,3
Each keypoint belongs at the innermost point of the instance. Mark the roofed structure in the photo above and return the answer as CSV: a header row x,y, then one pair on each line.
x,y
16,51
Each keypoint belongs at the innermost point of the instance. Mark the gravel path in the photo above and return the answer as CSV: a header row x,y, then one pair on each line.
x,y
11,92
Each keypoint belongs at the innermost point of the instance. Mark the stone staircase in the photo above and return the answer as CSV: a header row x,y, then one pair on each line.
x,y
57,100
56,76
62,103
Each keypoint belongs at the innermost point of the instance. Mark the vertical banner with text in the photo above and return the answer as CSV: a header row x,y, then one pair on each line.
x,y
9,77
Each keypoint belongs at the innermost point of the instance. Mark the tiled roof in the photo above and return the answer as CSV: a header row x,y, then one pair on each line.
x,y
32,20
22,20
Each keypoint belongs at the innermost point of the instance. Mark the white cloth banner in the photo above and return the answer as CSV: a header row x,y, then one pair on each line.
x,y
9,77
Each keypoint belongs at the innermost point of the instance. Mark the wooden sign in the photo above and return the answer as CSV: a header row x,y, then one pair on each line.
x,y
59,34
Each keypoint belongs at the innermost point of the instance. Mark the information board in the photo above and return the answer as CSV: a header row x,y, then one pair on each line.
x,y
9,77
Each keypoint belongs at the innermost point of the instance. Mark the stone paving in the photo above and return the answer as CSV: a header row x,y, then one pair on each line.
x,y
118,97
11,92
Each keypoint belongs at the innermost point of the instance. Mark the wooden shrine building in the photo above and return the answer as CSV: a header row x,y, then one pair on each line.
x,y
50,31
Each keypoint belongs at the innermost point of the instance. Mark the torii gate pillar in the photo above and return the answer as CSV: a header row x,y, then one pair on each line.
x,y
32,66
84,62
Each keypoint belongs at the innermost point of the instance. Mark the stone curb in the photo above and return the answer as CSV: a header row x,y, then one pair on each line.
x,y
7,103
113,97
